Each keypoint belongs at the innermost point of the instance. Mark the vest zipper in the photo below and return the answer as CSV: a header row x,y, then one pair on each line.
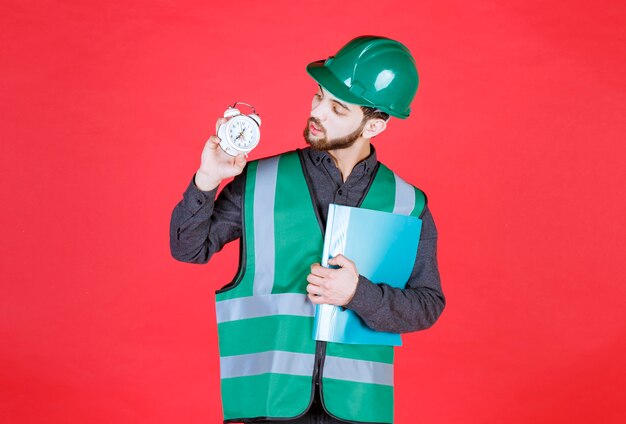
x,y
320,353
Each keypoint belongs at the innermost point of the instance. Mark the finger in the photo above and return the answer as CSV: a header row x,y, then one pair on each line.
x,y
213,142
341,261
313,289
316,299
219,122
240,161
320,271
314,279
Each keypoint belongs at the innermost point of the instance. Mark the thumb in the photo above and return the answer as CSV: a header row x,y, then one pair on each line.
x,y
240,160
340,260
219,122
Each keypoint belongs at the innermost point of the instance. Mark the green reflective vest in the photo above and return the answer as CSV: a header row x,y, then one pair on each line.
x,y
265,319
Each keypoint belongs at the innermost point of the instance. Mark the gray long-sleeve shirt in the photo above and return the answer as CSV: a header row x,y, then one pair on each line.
x,y
201,225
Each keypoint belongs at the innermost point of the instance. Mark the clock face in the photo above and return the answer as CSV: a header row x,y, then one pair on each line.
x,y
243,132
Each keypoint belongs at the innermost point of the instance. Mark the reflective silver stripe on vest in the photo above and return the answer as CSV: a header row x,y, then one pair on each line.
x,y
274,361
405,197
264,196
262,306
358,370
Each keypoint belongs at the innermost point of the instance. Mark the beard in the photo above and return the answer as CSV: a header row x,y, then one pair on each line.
x,y
324,143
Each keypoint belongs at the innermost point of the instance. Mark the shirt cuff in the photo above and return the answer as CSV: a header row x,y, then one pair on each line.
x,y
196,199
366,299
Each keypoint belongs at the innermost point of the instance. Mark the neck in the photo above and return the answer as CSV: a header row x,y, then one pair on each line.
x,y
346,159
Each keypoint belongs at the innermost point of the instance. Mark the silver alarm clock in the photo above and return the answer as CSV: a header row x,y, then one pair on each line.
x,y
240,133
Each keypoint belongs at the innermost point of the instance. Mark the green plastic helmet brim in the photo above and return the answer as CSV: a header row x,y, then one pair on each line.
x,y
330,82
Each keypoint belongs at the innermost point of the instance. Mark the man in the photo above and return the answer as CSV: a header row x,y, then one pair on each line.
x,y
271,369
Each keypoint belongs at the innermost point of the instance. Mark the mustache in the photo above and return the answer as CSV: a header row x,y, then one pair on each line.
x,y
317,123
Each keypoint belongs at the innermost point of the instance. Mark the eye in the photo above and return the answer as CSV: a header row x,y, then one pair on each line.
x,y
336,110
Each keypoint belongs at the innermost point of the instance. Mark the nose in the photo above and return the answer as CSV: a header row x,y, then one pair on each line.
x,y
318,111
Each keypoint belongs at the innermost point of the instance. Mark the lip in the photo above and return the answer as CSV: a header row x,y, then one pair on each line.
x,y
314,130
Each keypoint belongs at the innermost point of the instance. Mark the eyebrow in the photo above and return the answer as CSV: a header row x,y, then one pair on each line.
x,y
335,100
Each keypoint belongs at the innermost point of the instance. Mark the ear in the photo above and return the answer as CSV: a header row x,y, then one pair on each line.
x,y
373,127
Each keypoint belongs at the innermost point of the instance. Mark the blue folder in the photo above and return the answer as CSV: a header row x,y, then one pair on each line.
x,y
383,246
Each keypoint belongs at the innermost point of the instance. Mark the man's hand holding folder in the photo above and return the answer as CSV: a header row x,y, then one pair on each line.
x,y
333,286
384,245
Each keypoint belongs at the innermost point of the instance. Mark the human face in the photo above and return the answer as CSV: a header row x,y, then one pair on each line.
x,y
333,124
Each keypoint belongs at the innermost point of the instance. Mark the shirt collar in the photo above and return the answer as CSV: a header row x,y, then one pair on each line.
x,y
319,156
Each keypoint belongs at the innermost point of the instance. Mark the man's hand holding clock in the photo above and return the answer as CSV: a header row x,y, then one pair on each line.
x,y
224,154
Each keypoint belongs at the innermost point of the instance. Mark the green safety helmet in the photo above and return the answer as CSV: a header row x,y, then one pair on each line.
x,y
370,71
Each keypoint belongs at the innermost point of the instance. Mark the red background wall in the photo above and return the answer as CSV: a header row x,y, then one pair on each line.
x,y
516,135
